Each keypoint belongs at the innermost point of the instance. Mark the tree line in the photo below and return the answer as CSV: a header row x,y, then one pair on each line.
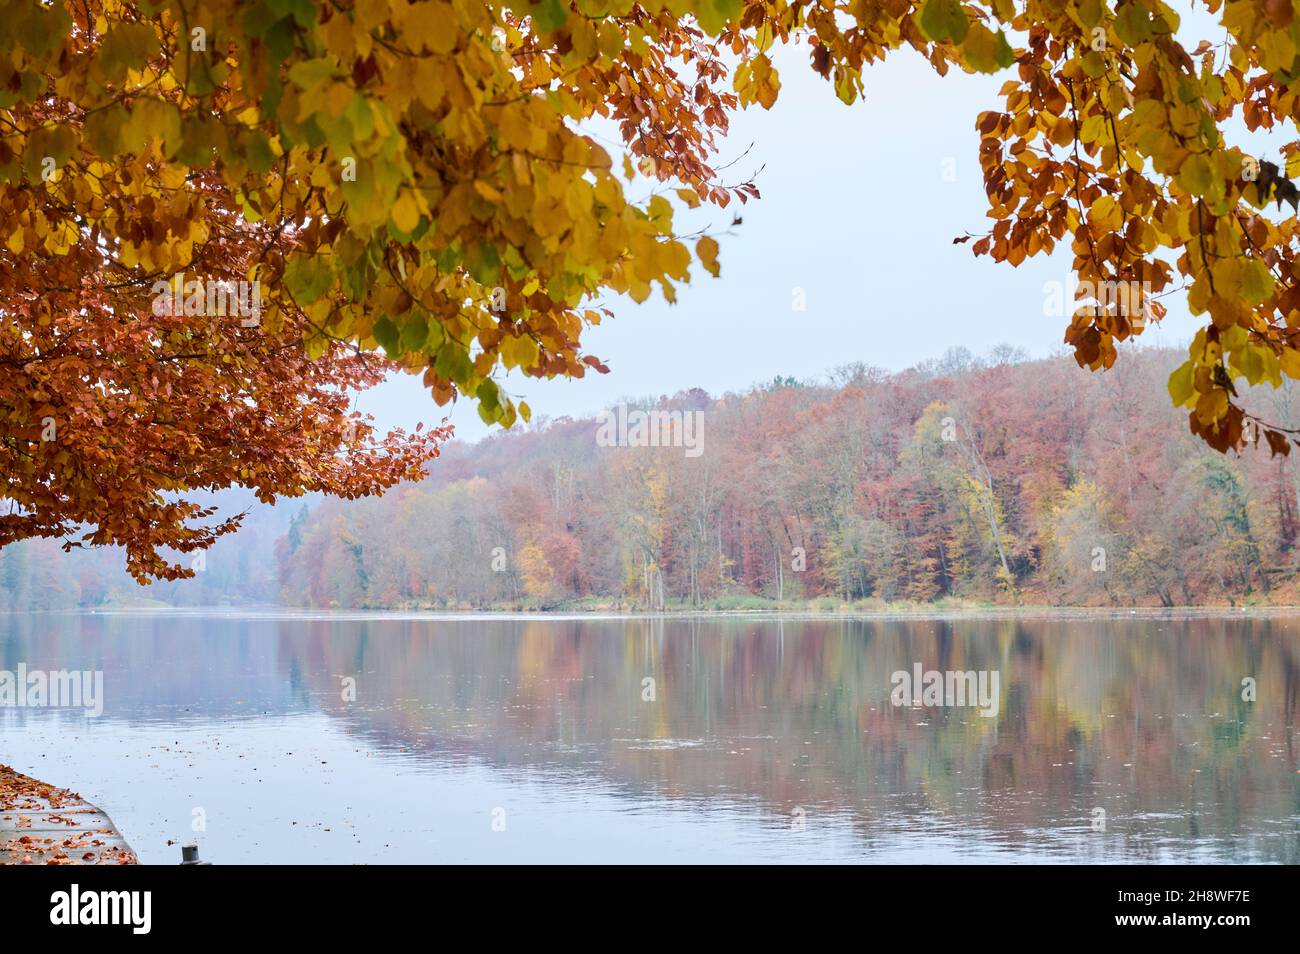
x,y
995,480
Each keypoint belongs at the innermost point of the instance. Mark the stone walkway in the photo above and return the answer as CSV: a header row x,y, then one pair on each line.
x,y
44,825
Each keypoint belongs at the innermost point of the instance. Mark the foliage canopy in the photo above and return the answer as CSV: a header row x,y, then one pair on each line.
x,y
423,178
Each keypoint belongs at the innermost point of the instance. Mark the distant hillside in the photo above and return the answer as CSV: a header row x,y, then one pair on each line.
x,y
989,480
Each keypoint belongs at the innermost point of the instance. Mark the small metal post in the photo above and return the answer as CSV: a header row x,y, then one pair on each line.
x,y
190,855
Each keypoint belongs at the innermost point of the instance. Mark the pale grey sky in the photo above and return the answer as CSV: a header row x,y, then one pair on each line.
x,y
857,211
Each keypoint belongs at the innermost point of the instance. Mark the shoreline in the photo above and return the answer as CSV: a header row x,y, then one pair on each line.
x,y
42,824
801,613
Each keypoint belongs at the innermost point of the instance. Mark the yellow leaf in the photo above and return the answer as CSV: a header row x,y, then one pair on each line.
x,y
486,191
1196,175
517,130
1291,363
406,214
519,352
690,197
707,249
1211,407
1182,383
433,25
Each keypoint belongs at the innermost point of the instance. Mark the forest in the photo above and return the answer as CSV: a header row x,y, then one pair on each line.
x,y
985,480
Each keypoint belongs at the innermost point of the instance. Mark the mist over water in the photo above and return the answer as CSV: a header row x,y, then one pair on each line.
x,y
763,739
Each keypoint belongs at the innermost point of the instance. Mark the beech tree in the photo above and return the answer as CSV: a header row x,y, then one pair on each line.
x,y
419,178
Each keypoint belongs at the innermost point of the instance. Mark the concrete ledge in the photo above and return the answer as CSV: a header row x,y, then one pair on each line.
x,y
44,825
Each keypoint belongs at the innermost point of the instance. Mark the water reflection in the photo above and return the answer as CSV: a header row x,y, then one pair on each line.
x,y
781,729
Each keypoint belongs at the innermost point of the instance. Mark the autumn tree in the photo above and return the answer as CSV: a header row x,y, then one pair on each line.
x,y
112,411
419,178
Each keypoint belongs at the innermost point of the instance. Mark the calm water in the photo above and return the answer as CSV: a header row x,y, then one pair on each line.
x,y
766,741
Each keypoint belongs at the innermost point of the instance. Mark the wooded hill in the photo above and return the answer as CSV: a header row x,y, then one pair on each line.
x,y
983,480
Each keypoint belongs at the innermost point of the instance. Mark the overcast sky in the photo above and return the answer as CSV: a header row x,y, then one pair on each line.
x,y
860,205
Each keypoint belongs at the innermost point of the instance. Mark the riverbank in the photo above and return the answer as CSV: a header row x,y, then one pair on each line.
x,y
41,824
1279,601
893,612
761,606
